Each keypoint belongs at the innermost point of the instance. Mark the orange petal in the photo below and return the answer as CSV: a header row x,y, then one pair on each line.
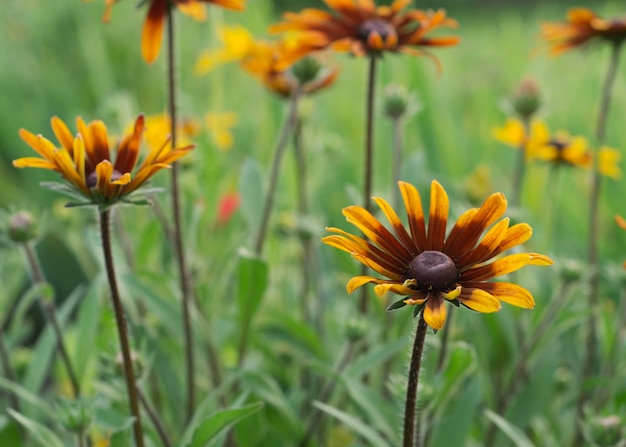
x,y
438,217
63,134
153,30
435,311
505,291
415,212
479,300
396,223
504,265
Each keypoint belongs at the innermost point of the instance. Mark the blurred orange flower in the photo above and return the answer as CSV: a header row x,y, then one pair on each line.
x,y
582,25
428,268
157,11
86,162
364,29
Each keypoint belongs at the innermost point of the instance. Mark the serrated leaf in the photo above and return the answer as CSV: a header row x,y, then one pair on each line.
x,y
41,434
355,424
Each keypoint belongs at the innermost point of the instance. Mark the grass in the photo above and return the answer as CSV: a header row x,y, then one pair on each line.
x,y
63,61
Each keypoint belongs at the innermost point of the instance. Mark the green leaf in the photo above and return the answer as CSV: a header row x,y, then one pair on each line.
x,y
213,425
513,433
42,289
66,190
46,346
374,356
358,426
252,273
111,421
88,326
285,328
43,435
26,396
252,192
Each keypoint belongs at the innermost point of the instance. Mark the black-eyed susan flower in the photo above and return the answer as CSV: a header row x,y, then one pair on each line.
x,y
513,134
581,27
86,161
364,29
428,268
157,11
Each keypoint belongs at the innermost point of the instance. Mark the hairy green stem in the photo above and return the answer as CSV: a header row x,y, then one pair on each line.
x,y
179,246
411,436
131,386
49,310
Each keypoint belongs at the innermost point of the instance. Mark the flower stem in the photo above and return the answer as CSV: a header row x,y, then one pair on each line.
x,y
369,158
281,145
520,164
156,420
133,400
185,282
49,311
594,232
411,436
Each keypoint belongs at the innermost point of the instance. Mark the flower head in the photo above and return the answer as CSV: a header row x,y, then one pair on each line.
x,y
157,12
582,26
428,268
87,163
364,29
560,149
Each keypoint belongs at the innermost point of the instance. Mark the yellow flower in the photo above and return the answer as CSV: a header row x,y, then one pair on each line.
x,y
158,128
582,26
362,28
428,268
219,126
237,43
157,12
513,133
87,163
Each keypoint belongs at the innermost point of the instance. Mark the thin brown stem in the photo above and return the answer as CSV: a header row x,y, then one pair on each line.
x,y
317,416
185,281
281,145
49,311
131,386
368,158
411,436
591,350
156,420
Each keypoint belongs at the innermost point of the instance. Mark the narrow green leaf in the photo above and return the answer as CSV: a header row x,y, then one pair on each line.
x,y
221,421
251,189
41,434
111,421
25,302
252,273
88,326
375,356
513,433
26,396
358,426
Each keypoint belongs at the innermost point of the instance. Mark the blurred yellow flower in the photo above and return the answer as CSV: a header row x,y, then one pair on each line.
x,y
237,42
559,149
87,163
159,129
219,126
157,12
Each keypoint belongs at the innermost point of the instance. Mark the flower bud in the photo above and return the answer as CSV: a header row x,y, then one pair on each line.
x,y
306,70
526,98
22,227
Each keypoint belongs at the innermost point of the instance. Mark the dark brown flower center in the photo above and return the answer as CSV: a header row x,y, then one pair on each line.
x,y
92,178
433,270
383,28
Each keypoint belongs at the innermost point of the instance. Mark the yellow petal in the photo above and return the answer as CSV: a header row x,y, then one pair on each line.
x,y
479,300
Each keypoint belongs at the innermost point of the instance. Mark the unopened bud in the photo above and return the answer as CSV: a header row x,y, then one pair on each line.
x,y
526,99
306,70
22,227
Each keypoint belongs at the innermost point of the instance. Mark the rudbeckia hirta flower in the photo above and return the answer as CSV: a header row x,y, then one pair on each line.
x,y
513,134
157,12
428,268
364,29
86,161
582,26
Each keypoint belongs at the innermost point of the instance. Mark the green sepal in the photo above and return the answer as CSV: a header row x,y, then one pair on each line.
x,y
418,308
397,305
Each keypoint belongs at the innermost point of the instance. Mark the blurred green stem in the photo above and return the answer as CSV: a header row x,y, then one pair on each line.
x,y
591,348
156,420
281,145
8,370
317,415
520,164
49,311
133,399
179,246
368,159
411,433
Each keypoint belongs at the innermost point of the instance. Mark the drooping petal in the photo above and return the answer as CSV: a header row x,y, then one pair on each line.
x,y
505,291
435,311
479,300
